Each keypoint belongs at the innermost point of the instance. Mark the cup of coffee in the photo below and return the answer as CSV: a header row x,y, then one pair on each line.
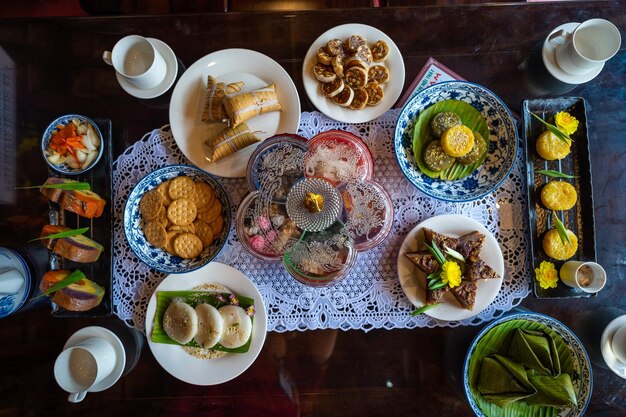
x,y
138,61
586,276
618,345
82,366
592,43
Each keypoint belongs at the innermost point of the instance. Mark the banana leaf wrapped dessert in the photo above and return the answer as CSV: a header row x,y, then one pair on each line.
x,y
214,110
242,106
229,141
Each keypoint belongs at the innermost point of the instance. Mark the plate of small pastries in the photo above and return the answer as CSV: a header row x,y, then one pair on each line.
x,y
207,326
177,219
353,73
477,279
226,103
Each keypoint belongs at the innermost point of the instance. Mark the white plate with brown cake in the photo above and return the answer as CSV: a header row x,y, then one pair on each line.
x,y
460,289
245,71
353,73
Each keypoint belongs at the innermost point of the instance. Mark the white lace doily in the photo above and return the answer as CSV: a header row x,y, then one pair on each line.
x,y
371,296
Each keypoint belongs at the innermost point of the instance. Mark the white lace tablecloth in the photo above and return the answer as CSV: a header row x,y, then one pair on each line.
x,y
371,296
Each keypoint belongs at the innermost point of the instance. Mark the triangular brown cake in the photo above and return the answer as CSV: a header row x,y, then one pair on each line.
x,y
441,240
424,260
479,270
465,294
469,245
435,296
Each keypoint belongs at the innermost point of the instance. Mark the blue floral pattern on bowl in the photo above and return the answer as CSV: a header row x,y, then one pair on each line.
x,y
583,385
64,120
502,142
159,259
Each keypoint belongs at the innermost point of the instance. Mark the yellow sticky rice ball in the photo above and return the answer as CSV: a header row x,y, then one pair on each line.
x,y
550,147
457,141
558,195
556,249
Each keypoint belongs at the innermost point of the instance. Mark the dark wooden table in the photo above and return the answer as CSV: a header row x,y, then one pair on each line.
x,y
57,68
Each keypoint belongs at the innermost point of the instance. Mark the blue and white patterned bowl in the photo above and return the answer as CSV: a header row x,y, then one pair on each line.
x,y
502,142
159,259
582,381
64,120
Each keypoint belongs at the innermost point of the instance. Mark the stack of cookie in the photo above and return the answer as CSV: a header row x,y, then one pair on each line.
x,y
181,216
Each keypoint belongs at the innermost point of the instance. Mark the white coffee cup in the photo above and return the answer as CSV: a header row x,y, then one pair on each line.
x,y
82,366
618,345
586,276
138,61
592,43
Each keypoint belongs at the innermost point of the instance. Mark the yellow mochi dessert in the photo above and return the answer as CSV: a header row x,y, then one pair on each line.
x,y
550,147
457,141
558,195
556,249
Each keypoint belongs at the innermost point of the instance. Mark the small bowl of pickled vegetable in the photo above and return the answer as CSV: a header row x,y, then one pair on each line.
x,y
72,144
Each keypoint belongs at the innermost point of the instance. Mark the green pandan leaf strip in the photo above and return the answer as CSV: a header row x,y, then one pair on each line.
x,y
555,174
552,128
434,250
60,235
456,255
560,228
424,308
65,282
434,275
78,186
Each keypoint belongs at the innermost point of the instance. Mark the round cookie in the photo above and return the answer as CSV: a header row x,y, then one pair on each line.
x,y
150,204
217,225
204,196
187,245
182,211
188,228
204,232
163,189
210,214
181,187
155,233
161,218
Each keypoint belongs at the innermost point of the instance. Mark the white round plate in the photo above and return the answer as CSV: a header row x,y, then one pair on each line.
x,y
230,65
120,353
413,280
605,345
392,88
547,53
197,371
171,65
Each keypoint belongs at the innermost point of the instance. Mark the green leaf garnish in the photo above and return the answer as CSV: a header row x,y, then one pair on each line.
x,y
79,186
68,280
424,308
434,275
439,284
555,174
552,128
434,250
60,235
560,228
456,255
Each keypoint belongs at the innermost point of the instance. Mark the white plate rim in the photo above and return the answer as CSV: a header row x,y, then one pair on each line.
x,y
392,90
225,64
120,353
454,225
607,352
192,370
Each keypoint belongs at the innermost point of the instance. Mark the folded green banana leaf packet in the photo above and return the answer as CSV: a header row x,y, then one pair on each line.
x,y
556,391
502,381
535,349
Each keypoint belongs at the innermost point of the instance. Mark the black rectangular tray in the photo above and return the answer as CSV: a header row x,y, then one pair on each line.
x,y
580,218
100,229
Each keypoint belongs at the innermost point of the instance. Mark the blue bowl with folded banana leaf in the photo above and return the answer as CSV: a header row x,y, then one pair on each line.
x,y
527,364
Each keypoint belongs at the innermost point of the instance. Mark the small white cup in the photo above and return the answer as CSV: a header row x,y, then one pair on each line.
x,y
592,43
587,276
138,61
618,345
82,366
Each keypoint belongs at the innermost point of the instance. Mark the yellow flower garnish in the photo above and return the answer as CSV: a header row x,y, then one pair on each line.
x,y
451,273
566,122
547,275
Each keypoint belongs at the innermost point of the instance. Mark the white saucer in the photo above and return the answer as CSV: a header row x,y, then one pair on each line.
x,y
605,345
120,353
547,52
172,70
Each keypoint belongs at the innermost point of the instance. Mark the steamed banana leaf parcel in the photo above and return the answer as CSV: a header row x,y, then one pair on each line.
x,y
528,371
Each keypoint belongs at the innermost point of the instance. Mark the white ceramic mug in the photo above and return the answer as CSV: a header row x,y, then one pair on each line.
x,y
618,345
586,276
138,61
592,43
82,366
